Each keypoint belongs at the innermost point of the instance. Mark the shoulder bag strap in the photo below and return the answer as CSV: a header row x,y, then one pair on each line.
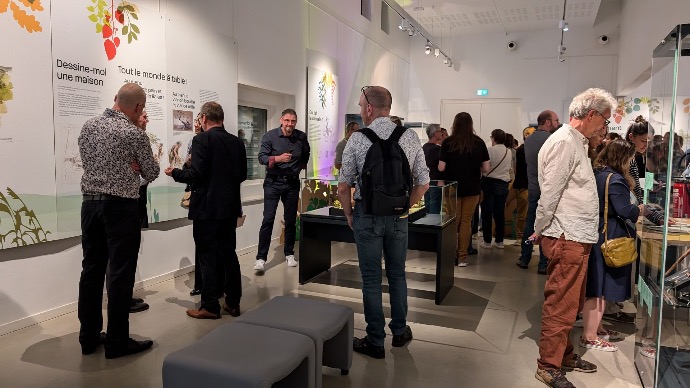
x,y
397,133
499,163
606,208
370,134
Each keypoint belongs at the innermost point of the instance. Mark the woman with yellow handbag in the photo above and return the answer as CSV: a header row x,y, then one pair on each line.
x,y
611,259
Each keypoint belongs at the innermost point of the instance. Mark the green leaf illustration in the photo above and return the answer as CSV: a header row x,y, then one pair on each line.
x,y
134,28
134,16
125,30
637,101
636,108
93,18
99,28
91,9
129,8
129,38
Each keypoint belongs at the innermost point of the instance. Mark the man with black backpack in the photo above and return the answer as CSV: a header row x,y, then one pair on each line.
x,y
385,163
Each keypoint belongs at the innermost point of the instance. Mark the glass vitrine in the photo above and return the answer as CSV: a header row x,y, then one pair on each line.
x,y
662,338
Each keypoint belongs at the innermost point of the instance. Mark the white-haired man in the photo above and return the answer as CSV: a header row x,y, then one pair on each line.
x,y
567,225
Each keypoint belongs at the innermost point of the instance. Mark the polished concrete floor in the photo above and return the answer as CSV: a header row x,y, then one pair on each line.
x,y
484,335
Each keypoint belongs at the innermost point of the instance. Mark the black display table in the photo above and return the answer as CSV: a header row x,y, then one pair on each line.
x,y
433,233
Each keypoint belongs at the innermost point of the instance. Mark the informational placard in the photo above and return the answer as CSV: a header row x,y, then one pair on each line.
x,y
323,133
74,57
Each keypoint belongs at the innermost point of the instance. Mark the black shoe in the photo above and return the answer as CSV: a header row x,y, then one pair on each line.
x,y
233,311
472,251
137,300
362,346
402,339
522,264
130,346
137,307
541,271
620,317
90,347
194,292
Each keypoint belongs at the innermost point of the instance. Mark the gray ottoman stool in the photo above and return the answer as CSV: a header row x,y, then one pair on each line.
x,y
330,325
240,355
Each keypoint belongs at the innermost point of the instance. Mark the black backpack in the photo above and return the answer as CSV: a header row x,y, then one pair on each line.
x,y
386,180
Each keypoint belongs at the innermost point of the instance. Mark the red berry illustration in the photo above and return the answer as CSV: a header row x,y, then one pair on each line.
x,y
107,32
119,16
110,49
117,42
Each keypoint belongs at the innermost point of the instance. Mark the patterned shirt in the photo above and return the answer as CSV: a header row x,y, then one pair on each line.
x,y
569,203
358,145
654,216
108,144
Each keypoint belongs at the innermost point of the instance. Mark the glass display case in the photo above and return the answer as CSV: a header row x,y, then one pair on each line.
x,y
317,193
251,127
662,336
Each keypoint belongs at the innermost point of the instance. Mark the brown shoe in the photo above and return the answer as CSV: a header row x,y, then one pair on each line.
x,y
234,311
577,364
202,314
553,378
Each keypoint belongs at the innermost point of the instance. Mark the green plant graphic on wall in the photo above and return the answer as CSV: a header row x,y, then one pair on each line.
x,y
24,226
327,83
5,90
107,25
19,10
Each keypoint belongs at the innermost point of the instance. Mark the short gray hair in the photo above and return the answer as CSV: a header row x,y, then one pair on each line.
x,y
591,99
431,129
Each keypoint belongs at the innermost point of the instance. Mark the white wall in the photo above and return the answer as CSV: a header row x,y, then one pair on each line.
x,y
531,73
643,25
272,39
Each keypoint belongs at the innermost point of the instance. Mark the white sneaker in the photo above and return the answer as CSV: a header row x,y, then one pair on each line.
x,y
499,245
259,266
475,236
484,245
462,264
291,260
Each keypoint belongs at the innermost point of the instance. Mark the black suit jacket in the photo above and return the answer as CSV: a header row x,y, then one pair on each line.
x,y
219,166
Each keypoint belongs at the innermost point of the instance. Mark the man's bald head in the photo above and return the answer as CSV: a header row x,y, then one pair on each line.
x,y
375,101
130,100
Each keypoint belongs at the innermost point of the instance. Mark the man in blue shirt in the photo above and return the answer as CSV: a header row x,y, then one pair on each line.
x,y
547,122
285,152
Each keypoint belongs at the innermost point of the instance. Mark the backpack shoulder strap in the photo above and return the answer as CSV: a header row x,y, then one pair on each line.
x,y
371,135
397,133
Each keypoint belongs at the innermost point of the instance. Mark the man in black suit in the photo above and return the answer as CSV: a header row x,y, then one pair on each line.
x,y
219,166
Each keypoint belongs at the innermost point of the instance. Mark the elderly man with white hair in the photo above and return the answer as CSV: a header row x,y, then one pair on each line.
x,y
567,225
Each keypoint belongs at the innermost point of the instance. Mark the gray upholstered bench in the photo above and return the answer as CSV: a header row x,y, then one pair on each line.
x,y
330,325
240,355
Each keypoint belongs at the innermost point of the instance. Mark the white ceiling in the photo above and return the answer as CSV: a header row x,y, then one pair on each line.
x,y
474,16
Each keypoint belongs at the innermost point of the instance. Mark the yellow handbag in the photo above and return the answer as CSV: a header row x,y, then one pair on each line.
x,y
184,202
620,251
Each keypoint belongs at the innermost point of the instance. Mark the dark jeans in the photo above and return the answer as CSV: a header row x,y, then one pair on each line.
x,y
526,256
374,235
215,245
286,191
111,235
432,200
495,192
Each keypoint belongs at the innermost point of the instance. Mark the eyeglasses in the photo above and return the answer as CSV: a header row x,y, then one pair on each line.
x,y
606,121
365,95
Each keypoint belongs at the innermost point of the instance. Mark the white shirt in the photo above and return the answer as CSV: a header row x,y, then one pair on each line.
x,y
503,171
569,203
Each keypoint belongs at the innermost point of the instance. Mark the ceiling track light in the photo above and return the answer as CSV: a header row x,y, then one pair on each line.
x,y
404,25
437,52
427,48
411,31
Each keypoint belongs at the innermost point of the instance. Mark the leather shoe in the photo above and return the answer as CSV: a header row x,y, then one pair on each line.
x,y
137,307
404,338
202,314
137,300
89,348
363,346
194,292
130,346
234,311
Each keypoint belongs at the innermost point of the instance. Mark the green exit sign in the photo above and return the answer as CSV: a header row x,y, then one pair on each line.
x,y
482,92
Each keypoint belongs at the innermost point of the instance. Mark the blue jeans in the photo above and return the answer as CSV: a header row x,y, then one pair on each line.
x,y
526,256
374,235
432,200
495,192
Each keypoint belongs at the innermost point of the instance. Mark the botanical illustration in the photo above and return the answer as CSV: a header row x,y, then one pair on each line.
x,y
632,105
327,84
174,157
156,146
111,20
5,89
72,167
183,120
21,10
22,227
686,105
154,216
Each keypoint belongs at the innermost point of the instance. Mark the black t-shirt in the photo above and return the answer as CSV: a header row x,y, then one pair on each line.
x,y
431,154
465,168
520,181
